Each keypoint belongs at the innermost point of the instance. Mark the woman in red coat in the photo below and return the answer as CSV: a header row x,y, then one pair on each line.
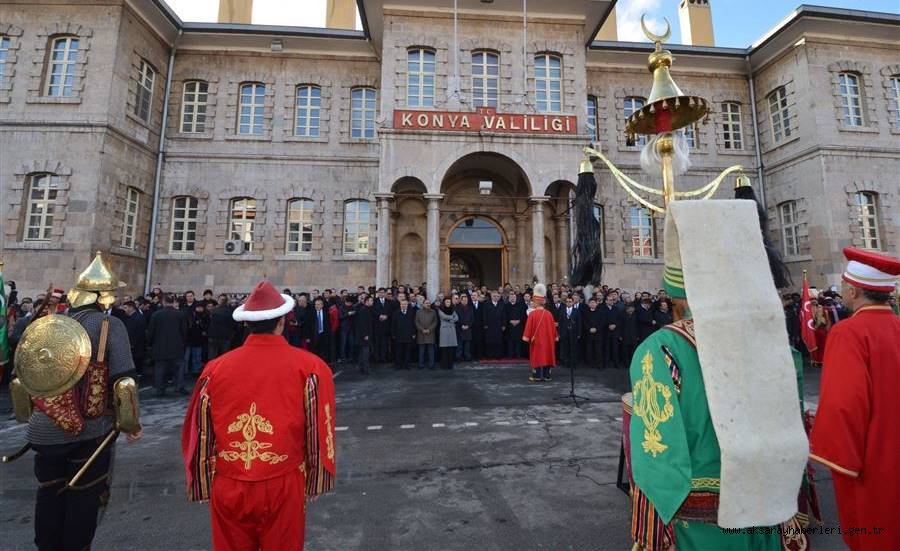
x,y
540,334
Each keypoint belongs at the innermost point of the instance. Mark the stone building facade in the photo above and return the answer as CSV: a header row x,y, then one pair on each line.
x,y
210,155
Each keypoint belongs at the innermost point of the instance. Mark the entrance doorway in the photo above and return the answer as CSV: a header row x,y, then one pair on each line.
x,y
477,253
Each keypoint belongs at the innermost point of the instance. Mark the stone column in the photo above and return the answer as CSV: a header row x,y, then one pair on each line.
x,y
433,244
522,276
562,245
383,250
538,260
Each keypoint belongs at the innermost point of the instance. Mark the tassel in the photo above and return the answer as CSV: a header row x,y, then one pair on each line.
x,y
587,260
780,273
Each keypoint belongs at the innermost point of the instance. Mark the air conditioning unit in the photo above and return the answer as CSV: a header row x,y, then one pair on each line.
x,y
234,246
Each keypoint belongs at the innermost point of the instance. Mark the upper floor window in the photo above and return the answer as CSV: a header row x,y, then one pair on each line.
x,y
642,235
308,105
420,78
485,79
851,101
895,99
691,135
867,218
362,113
548,83
592,130
242,221
184,224
781,115
61,67
600,217
129,223
789,226
299,226
193,107
144,98
250,116
732,137
42,192
356,226
4,53
634,104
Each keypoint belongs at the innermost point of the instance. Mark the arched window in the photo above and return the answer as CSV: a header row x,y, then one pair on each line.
x,y
780,113
634,104
252,108
184,224
42,191
308,105
475,231
362,113
299,226
193,107
357,226
61,66
143,100
867,217
130,217
242,223
591,125
548,83
642,233
419,77
789,226
851,100
895,99
732,137
485,79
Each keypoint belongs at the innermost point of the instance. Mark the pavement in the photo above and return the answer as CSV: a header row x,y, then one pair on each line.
x,y
476,457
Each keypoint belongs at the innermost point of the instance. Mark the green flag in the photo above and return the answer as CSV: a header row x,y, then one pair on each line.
x,y
4,338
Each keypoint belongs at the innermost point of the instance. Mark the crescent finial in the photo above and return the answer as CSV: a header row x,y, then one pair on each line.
x,y
656,37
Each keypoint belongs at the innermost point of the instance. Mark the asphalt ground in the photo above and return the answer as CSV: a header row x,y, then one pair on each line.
x,y
474,458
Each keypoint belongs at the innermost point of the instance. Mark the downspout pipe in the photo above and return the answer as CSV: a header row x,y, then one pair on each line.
x,y
759,163
160,154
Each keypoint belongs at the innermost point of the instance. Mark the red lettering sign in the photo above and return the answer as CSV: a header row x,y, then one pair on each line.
x,y
485,120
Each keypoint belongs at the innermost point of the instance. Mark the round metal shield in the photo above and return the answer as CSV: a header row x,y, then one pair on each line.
x,y
52,355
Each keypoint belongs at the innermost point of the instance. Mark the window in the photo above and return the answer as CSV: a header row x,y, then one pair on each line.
x,y
129,225
633,105
851,102
485,79
250,118
184,225
789,226
193,107
781,115
243,219
691,135
144,98
731,126
420,78
475,231
548,83
4,53
895,99
362,113
308,104
356,227
866,206
592,118
42,192
61,67
642,237
600,216
299,226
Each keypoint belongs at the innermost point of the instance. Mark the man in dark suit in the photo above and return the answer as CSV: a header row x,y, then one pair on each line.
x,y
493,324
515,325
569,331
592,325
137,332
381,319
612,323
321,330
477,325
644,315
403,333
166,334
363,332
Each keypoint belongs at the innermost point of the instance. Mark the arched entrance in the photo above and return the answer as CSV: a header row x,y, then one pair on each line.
x,y
477,253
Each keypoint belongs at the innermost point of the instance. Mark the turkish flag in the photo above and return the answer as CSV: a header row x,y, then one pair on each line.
x,y
807,331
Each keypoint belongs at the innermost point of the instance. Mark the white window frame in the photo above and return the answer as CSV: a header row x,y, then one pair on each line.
x,y
5,43
780,113
633,104
485,78
185,209
43,190
61,66
130,218
307,110
732,128
194,102
593,111
600,217
299,226
867,217
548,92
643,238
849,86
420,64
251,109
143,96
357,227
242,220
895,93
790,226
691,135
362,113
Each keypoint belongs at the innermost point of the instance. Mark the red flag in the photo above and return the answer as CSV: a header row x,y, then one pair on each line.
x,y
807,331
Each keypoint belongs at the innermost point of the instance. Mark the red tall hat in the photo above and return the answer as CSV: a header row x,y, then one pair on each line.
x,y
264,303
870,270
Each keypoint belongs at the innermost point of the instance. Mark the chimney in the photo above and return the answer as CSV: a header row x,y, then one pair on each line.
x,y
235,11
608,30
340,14
696,23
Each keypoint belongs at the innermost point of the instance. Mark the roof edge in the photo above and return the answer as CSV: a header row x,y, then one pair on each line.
x,y
273,30
683,49
603,19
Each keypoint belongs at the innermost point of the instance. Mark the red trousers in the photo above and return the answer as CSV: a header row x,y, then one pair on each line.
x,y
264,515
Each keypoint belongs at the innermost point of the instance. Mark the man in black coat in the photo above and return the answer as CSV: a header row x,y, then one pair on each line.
x,y
321,330
592,324
629,333
136,326
221,328
493,324
403,333
381,318
612,324
569,330
166,334
515,326
644,314
363,332
477,325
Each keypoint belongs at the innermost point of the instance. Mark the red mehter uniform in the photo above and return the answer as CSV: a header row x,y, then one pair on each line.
x,y
857,427
540,333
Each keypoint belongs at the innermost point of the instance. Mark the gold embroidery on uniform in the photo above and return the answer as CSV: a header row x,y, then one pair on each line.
x,y
705,482
329,439
248,424
648,408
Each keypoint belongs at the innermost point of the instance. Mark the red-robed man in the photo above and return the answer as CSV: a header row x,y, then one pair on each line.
x,y
258,438
857,428
540,333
